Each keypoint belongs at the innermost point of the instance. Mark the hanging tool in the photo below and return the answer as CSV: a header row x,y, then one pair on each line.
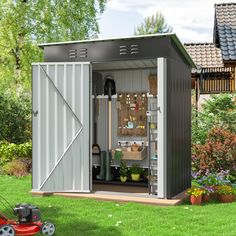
x,y
97,90
109,89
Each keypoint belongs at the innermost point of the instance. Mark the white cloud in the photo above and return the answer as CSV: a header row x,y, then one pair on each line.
x,y
191,20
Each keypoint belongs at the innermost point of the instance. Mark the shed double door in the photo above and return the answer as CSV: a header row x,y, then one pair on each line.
x,y
60,113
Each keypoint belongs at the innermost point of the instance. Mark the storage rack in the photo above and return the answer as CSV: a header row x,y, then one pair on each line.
x,y
152,148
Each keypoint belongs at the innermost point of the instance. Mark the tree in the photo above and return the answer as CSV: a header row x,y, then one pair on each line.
x,y
152,25
24,24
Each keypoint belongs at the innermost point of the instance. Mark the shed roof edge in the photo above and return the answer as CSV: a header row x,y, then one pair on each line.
x,y
173,36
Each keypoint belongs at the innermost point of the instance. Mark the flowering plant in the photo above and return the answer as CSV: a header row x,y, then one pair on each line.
x,y
207,190
194,191
210,180
225,190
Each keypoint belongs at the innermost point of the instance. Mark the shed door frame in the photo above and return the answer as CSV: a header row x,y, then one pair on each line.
x,y
162,127
48,95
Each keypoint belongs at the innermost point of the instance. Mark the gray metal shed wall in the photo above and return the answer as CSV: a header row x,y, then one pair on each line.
x,y
178,127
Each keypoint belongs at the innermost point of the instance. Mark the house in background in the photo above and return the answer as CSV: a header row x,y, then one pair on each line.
x,y
216,61
225,32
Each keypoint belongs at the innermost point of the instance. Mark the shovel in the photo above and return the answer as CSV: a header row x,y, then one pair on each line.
x,y
97,90
109,89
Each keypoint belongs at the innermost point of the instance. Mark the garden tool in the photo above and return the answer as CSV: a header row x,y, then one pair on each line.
x,y
101,175
97,90
109,89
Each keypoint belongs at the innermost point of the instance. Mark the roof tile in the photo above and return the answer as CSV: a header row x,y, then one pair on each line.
x,y
205,54
225,24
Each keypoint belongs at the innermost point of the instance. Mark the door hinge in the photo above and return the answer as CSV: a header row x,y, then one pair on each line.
x,y
35,113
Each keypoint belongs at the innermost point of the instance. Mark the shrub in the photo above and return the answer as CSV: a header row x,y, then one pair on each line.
x,y
217,154
17,168
12,151
218,111
15,118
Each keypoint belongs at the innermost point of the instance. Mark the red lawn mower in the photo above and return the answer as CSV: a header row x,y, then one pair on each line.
x,y
28,222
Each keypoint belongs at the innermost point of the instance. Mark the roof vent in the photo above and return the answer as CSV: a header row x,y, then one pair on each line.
x,y
83,52
123,50
134,49
72,53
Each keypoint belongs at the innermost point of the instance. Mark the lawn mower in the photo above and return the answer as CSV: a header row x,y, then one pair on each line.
x,y
27,222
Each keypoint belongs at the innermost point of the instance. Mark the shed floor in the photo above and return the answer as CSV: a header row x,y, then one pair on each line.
x,y
120,188
119,194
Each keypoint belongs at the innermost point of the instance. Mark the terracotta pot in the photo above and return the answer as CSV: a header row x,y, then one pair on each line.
x,y
196,200
206,198
135,177
226,198
123,179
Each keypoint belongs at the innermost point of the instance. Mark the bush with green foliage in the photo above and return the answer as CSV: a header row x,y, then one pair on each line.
x,y
15,118
218,111
12,151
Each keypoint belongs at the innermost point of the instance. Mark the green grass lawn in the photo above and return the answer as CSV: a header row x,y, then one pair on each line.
x,y
90,217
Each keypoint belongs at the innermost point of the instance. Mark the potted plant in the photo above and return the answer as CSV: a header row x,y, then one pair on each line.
x,y
195,194
226,193
135,171
123,171
212,181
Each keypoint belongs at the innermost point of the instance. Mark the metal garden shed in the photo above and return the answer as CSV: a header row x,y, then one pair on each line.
x,y
63,111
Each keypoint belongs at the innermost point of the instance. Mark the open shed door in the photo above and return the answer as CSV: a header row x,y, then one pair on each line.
x,y
61,143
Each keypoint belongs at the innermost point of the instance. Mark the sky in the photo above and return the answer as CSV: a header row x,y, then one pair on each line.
x,y
191,20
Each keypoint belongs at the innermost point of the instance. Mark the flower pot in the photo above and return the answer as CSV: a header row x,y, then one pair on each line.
x,y
123,179
135,177
226,198
206,198
196,200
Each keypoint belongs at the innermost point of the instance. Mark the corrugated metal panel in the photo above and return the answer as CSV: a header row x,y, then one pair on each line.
x,y
126,81
61,150
178,127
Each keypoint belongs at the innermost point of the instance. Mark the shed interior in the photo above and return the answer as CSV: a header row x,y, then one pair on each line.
x,y
133,125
